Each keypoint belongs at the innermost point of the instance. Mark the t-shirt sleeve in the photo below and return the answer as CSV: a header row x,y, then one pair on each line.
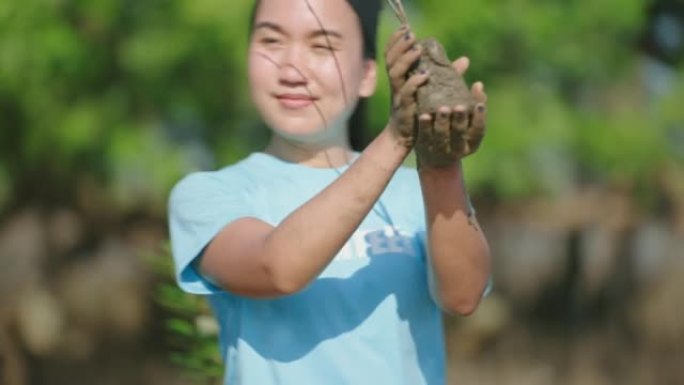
x,y
199,207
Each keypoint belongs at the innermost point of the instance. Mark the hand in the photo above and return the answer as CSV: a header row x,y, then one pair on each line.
x,y
401,52
456,131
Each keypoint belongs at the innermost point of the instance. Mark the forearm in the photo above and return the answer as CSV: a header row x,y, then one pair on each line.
x,y
303,244
458,250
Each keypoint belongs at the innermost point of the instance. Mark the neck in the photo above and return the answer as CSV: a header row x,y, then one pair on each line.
x,y
317,156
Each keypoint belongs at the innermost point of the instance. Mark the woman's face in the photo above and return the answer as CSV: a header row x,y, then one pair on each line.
x,y
306,67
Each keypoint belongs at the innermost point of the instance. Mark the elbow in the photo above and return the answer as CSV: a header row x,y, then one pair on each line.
x,y
283,286
460,302
283,281
460,306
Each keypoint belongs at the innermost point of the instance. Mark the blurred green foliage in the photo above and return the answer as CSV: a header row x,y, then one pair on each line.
x,y
190,329
120,98
131,95
118,93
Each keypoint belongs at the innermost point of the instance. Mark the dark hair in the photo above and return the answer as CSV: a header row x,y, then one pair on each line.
x,y
367,11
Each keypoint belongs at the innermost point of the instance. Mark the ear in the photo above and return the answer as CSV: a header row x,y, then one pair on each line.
x,y
370,78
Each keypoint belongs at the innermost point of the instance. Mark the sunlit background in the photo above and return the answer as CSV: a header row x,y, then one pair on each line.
x,y
579,185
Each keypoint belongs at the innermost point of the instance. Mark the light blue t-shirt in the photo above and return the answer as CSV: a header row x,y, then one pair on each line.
x,y
368,319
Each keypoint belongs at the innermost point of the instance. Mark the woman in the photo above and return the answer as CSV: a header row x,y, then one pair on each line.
x,y
325,266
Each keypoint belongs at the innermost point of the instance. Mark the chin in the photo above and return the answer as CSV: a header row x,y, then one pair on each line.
x,y
305,129
304,126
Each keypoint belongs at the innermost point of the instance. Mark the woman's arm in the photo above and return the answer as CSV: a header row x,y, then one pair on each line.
x,y
252,258
458,251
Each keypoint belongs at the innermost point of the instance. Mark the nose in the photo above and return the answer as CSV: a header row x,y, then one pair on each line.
x,y
292,67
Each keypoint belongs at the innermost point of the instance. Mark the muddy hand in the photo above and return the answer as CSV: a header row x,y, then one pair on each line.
x,y
401,52
455,132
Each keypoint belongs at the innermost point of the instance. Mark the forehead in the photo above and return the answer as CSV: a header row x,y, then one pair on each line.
x,y
309,15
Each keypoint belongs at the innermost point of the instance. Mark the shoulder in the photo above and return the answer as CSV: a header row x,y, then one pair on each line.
x,y
201,184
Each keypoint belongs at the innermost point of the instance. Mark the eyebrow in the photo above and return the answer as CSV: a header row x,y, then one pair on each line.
x,y
325,32
317,33
269,25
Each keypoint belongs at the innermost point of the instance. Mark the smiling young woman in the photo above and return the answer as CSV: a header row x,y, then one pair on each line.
x,y
306,77
322,265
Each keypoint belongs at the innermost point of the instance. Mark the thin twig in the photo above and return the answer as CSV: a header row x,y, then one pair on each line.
x,y
398,8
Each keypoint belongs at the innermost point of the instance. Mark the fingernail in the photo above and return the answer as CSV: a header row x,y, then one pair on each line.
x,y
423,71
481,108
407,36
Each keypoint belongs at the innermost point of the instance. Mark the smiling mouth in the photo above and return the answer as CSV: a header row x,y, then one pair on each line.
x,y
295,101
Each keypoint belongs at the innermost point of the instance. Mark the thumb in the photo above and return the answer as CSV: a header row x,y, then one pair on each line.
x,y
461,65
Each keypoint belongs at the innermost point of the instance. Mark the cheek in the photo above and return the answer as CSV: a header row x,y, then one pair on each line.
x,y
340,71
352,75
257,71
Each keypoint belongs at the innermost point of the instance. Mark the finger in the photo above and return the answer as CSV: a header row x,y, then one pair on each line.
x,y
461,65
404,43
407,93
442,123
459,120
478,92
439,142
405,103
425,122
397,73
478,128
425,126
479,121
394,38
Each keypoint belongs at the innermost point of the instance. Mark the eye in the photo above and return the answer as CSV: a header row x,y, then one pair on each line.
x,y
269,40
323,48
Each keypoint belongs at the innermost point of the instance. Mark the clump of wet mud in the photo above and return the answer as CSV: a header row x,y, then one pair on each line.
x,y
445,86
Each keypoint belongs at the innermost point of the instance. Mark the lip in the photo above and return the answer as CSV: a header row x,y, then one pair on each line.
x,y
295,101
